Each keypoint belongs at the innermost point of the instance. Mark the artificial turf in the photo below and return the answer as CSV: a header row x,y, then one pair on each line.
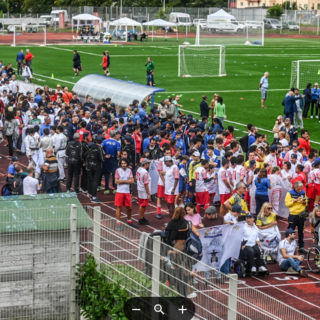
x,y
245,65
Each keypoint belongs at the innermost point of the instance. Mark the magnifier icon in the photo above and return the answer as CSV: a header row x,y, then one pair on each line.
x,y
158,308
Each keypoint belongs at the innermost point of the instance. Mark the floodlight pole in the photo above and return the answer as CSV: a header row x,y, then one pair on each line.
x,y
14,37
120,8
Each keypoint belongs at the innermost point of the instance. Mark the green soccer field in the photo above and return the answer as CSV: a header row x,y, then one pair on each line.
x,y
245,65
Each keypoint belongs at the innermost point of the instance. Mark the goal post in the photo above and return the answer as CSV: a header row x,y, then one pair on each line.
x,y
304,72
32,31
201,61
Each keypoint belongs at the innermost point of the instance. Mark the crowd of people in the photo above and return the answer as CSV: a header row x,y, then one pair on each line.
x,y
194,163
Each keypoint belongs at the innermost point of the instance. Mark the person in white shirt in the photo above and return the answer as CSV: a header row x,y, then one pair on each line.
x,y
294,162
87,116
286,172
202,194
232,216
225,185
45,142
13,86
123,178
250,245
171,183
288,257
60,151
143,181
272,157
282,139
30,184
32,146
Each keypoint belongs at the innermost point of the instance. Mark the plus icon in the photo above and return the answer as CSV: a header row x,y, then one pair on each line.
x,y
183,310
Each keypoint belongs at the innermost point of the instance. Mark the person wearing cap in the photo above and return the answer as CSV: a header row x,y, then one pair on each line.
x,y
238,199
94,158
74,152
171,183
250,245
60,151
233,215
127,126
212,218
288,255
296,201
315,179
272,157
124,178
143,182
162,169
112,150
11,171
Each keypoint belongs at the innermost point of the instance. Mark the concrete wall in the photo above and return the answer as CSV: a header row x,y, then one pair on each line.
x,y
34,276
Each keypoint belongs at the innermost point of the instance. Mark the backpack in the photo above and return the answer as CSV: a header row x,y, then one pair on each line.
x,y
193,245
17,185
244,141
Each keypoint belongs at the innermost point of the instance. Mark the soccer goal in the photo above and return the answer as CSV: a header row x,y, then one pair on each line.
x,y
216,32
303,72
35,34
202,61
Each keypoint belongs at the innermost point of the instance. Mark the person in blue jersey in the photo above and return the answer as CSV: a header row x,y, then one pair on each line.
x,y
210,143
209,136
183,181
180,143
263,87
20,58
219,152
210,156
112,150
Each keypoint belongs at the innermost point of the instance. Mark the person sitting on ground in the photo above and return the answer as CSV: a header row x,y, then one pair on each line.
x,y
288,257
266,218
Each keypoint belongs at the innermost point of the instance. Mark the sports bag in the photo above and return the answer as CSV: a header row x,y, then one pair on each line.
x,y
17,183
193,245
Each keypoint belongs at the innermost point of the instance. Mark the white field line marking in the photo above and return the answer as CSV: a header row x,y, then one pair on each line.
x,y
290,294
228,91
162,47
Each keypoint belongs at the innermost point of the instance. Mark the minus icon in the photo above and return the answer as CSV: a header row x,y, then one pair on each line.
x,y
136,309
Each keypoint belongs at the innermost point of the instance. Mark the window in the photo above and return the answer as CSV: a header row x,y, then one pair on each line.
x,y
241,4
306,6
318,6
299,5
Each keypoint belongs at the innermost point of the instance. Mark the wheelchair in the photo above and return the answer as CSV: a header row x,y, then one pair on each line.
x,y
313,256
241,268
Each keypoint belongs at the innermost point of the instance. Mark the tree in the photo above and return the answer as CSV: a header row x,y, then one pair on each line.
x,y
275,11
288,5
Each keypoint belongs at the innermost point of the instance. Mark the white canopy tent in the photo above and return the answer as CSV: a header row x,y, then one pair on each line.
x,y
125,23
160,23
221,14
84,19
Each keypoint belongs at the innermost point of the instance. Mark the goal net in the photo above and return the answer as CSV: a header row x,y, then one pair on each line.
x,y
214,32
202,61
303,72
28,34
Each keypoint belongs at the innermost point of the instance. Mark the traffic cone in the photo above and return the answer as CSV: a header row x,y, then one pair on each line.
x,y
52,76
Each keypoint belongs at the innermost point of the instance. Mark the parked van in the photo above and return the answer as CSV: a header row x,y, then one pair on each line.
x,y
201,22
253,24
224,25
272,24
291,25
47,20
180,19
55,16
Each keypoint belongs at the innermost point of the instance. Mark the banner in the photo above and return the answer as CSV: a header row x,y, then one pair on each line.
x,y
219,243
269,240
277,195
38,160
154,175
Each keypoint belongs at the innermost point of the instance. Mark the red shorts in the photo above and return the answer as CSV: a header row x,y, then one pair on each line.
x,y
224,197
122,200
212,195
202,198
170,198
317,189
311,191
160,193
143,202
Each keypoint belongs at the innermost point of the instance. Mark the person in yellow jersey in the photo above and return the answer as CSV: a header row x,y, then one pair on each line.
x,y
194,164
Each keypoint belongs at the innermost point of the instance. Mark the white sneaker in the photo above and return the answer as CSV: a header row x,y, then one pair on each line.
x,y
317,117
262,268
253,269
181,205
108,74
311,117
192,295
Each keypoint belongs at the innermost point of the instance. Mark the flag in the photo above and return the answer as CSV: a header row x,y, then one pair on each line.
x,y
154,175
269,239
219,243
276,194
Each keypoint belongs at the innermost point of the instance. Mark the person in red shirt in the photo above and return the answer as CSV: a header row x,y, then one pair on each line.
x,y
83,129
115,125
300,177
105,63
226,141
138,139
164,136
29,57
304,141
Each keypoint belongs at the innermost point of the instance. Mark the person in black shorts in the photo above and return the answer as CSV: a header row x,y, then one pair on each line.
x,y
76,62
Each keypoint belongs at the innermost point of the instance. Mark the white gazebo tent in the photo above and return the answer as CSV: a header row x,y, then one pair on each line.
x,y
84,19
124,22
221,14
160,23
